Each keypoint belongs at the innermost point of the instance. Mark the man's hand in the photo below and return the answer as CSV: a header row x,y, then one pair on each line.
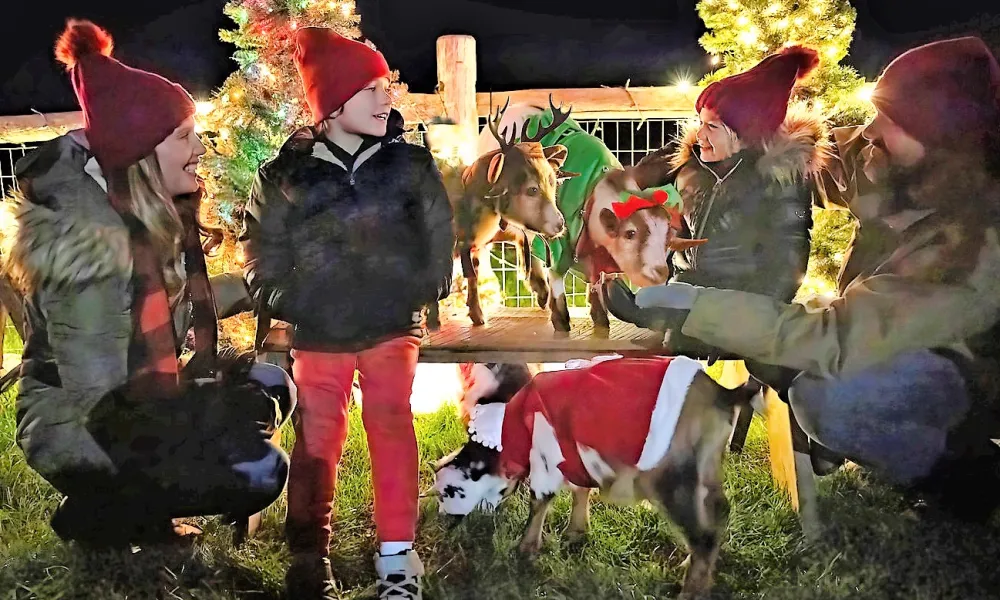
x,y
621,302
672,295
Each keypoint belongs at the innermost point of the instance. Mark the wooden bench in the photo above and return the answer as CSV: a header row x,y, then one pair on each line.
x,y
526,335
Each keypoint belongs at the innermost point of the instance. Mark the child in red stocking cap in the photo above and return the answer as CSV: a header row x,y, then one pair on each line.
x,y
348,236
746,170
105,246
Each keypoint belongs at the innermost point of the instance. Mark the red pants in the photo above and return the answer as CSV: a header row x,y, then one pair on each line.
x,y
324,387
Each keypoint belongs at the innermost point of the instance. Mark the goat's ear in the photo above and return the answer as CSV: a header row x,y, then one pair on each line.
x,y
556,155
610,222
681,244
496,167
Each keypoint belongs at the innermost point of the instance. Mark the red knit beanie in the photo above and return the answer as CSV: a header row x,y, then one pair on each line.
x,y
943,94
334,68
754,103
127,112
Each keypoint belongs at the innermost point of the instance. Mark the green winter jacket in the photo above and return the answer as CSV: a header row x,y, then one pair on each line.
x,y
588,156
69,252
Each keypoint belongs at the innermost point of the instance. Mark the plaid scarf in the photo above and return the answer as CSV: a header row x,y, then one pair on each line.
x,y
152,354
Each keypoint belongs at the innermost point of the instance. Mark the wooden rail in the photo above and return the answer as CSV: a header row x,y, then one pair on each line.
x,y
669,102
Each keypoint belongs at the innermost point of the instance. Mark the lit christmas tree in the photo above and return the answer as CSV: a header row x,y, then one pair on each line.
x,y
743,32
254,111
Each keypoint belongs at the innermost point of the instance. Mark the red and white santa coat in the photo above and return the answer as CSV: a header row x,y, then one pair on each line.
x,y
570,424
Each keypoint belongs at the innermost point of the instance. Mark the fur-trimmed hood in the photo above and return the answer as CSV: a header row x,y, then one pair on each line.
x,y
800,149
60,231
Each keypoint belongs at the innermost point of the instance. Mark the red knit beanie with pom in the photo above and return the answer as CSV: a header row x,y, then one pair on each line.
x,y
755,102
127,112
945,93
334,68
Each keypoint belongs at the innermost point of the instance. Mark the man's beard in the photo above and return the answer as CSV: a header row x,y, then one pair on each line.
x,y
893,179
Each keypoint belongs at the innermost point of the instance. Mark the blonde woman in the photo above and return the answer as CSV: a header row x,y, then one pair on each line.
x,y
106,249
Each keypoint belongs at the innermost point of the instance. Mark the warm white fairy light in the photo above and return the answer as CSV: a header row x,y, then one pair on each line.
x,y
865,94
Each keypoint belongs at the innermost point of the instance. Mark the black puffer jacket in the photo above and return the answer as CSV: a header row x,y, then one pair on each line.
x,y
754,209
349,256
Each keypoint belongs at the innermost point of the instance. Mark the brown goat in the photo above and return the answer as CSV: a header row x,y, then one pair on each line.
x,y
513,185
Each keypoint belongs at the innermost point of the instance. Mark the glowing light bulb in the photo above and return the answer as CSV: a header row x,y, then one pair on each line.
x,y
865,91
743,21
714,60
749,37
346,9
204,108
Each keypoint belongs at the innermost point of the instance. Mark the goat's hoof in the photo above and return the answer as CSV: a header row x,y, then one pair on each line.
x,y
531,548
575,536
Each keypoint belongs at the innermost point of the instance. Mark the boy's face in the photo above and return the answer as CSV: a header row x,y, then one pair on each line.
x,y
367,112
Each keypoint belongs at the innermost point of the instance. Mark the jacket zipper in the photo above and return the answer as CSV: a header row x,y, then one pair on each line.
x,y
711,201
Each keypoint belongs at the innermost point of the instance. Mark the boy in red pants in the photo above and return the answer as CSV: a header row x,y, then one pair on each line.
x,y
348,234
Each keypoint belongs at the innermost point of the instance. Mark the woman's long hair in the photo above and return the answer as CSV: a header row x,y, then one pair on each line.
x,y
150,203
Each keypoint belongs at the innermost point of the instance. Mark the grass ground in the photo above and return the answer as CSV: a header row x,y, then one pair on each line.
x,y
872,549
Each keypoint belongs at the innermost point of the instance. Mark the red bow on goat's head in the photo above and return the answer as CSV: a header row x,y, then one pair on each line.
x,y
666,196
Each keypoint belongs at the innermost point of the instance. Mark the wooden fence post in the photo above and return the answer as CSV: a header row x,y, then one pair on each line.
x,y
456,69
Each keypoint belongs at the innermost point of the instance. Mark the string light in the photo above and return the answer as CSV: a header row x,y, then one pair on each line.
x,y
204,108
865,91
781,24
749,37
345,8
714,60
743,21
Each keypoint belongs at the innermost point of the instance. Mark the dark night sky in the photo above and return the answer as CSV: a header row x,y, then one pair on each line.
x,y
521,43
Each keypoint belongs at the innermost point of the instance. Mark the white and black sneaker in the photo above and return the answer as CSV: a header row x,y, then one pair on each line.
x,y
399,576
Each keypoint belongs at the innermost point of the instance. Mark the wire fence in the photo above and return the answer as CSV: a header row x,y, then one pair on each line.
x,y
628,139
9,155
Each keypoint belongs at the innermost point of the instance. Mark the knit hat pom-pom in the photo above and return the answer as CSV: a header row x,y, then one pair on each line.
x,y
806,58
81,39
